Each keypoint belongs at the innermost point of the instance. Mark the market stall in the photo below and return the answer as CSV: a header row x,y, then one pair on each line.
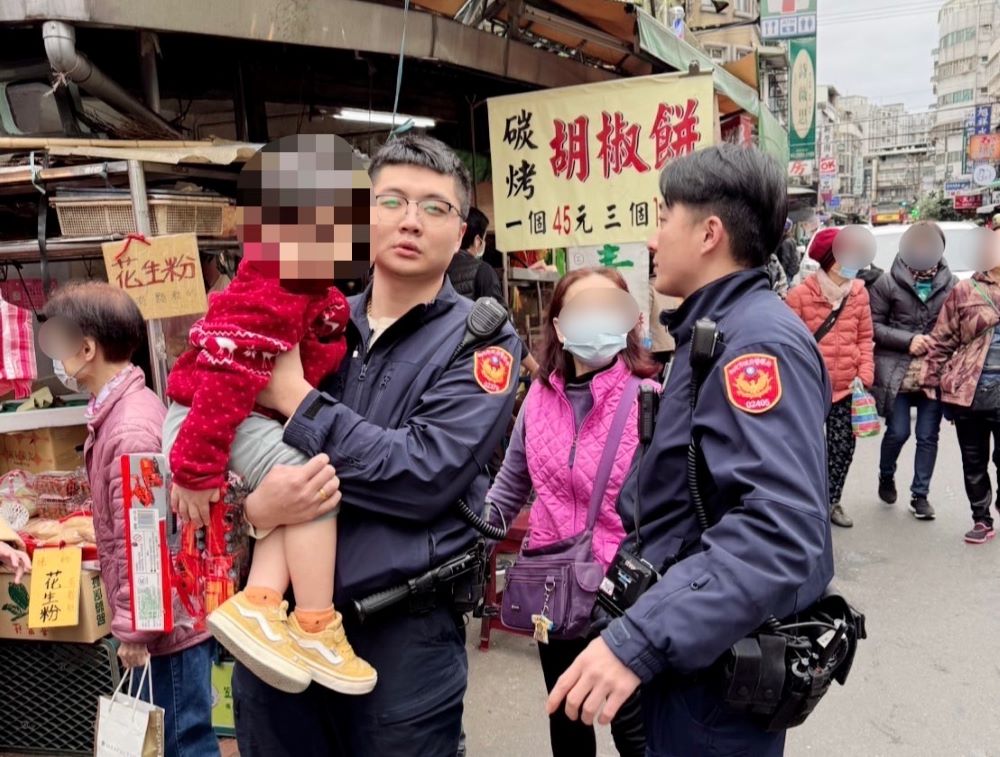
x,y
143,216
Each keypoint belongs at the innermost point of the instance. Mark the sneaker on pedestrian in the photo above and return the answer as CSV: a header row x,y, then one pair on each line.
x,y
887,490
839,518
257,636
331,659
980,534
921,508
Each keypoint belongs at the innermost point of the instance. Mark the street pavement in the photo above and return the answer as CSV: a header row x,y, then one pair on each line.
x,y
926,682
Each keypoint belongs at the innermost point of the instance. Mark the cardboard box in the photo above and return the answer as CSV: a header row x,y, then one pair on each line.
x,y
95,615
42,450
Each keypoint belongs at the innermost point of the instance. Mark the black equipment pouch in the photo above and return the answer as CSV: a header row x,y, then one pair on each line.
x,y
780,673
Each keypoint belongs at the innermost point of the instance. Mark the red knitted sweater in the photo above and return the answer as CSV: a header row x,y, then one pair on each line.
x,y
232,354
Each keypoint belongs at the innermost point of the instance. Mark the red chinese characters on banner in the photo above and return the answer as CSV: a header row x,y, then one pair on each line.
x,y
570,154
674,131
620,145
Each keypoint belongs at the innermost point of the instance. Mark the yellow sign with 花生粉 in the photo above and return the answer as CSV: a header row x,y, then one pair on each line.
x,y
54,599
162,274
580,166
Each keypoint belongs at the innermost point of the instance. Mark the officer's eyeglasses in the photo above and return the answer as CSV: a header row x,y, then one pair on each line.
x,y
392,209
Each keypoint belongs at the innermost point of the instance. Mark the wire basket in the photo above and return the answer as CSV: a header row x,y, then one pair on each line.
x,y
49,693
104,216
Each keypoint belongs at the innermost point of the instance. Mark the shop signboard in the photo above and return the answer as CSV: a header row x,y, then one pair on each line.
x,y
579,166
984,174
828,166
802,99
985,147
162,274
967,202
787,19
835,202
800,168
954,187
984,117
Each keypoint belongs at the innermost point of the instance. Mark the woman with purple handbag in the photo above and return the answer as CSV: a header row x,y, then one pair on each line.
x,y
573,444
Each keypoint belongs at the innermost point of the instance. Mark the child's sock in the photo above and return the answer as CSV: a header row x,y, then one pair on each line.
x,y
314,621
261,595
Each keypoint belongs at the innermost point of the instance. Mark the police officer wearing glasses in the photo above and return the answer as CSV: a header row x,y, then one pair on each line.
x,y
409,422
756,544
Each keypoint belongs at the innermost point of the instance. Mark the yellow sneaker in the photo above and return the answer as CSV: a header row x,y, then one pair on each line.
x,y
258,637
331,659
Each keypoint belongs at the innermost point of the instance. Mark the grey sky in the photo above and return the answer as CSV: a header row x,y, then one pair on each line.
x,y
879,48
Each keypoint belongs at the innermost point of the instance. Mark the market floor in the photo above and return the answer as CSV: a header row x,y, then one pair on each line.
x,y
926,683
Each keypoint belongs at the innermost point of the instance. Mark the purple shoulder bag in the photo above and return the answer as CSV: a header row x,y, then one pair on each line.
x,y
559,581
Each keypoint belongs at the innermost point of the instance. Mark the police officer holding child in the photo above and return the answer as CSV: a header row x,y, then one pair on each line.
x,y
409,423
763,549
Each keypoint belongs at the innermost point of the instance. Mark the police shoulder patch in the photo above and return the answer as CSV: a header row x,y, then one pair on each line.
x,y
492,368
753,383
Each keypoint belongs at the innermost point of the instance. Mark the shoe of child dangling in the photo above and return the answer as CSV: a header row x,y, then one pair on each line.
x,y
257,636
331,659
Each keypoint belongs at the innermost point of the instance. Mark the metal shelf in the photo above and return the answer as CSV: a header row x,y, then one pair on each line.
x,y
525,274
51,418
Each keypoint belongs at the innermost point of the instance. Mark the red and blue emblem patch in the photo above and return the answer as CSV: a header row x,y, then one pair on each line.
x,y
753,383
492,368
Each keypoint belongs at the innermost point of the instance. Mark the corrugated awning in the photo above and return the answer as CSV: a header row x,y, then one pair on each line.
x,y
663,44
213,153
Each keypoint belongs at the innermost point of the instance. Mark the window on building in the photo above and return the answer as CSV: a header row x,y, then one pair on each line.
x,y
718,53
746,7
739,52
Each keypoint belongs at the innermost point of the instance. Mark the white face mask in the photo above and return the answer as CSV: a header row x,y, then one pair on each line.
x,y
70,382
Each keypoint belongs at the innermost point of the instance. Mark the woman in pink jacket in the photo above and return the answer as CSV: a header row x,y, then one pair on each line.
x,y
91,332
833,303
591,351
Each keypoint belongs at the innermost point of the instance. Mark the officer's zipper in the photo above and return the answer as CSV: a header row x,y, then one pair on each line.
x,y
381,389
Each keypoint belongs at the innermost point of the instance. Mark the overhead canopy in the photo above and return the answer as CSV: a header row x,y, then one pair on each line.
x,y
663,44
216,153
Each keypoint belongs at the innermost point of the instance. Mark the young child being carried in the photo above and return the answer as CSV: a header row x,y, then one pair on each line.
x,y
298,197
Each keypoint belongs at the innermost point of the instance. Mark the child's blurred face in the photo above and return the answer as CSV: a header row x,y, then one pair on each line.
x,y
313,213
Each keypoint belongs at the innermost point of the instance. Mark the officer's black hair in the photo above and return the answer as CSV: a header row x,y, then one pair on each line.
x,y
425,152
744,187
476,224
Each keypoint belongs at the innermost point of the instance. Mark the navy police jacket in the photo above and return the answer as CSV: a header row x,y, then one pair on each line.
x,y
760,420
409,431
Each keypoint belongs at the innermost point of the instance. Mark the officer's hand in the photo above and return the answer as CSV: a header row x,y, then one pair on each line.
x,y
288,386
291,494
596,685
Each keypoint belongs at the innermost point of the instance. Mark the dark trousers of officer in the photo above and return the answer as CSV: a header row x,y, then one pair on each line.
x,y
573,738
975,430
416,708
691,720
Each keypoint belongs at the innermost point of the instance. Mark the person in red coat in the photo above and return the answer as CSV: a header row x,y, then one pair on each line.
x,y
298,197
834,304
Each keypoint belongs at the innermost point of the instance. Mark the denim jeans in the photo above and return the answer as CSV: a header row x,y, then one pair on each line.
x,y
898,431
182,686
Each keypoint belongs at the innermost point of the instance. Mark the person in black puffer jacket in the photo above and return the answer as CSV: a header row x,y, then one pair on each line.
x,y
905,305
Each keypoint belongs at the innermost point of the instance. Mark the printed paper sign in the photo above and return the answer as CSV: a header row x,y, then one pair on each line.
x,y
162,274
580,165
55,588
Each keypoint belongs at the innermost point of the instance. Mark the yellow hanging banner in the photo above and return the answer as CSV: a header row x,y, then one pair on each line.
x,y
54,601
580,166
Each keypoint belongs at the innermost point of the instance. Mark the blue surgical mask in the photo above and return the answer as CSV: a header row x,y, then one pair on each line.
x,y
849,273
594,338
70,382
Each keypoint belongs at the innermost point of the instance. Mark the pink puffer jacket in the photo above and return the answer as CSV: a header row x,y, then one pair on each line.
x,y
849,349
128,420
563,461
